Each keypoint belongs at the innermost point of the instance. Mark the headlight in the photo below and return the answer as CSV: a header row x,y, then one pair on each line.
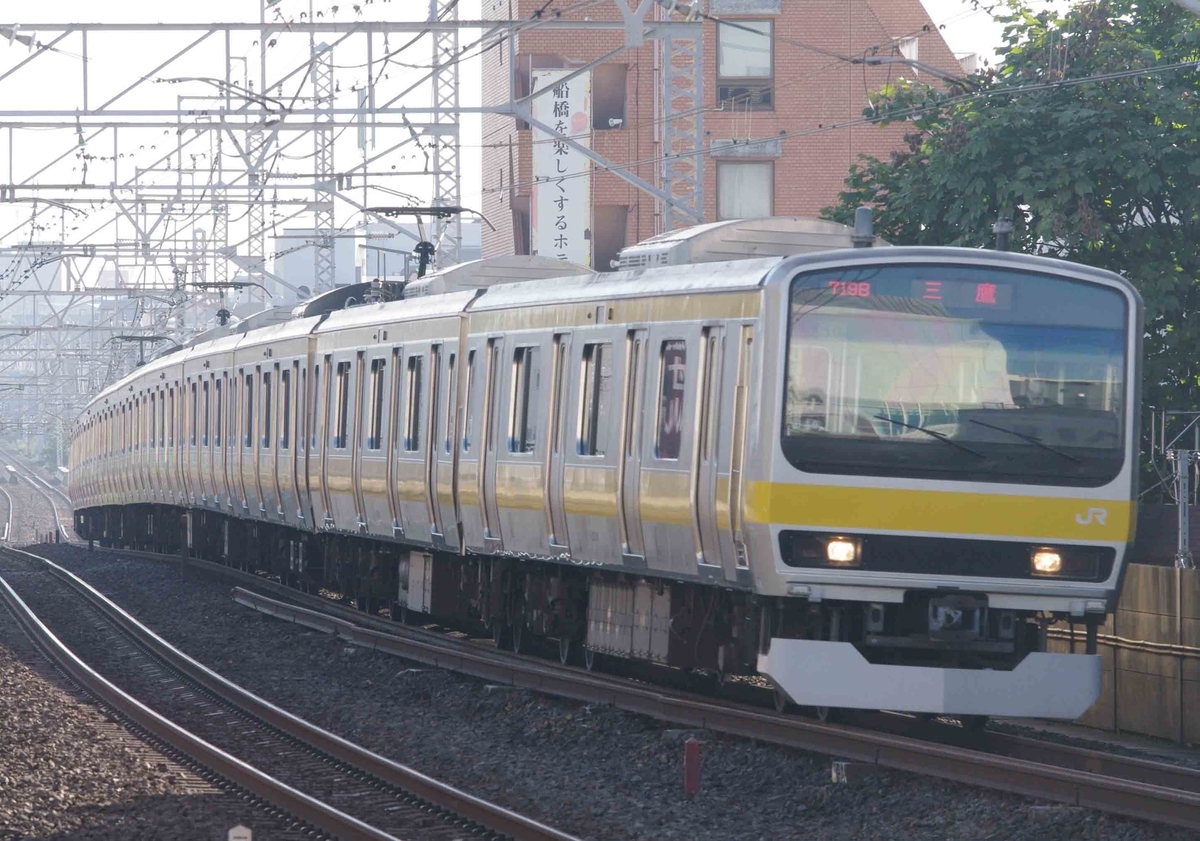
x,y
1046,562
841,551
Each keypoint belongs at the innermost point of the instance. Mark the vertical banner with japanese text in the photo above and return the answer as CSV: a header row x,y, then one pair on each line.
x,y
561,219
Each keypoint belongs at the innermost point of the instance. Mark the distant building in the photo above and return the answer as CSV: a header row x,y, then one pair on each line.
x,y
773,71
371,251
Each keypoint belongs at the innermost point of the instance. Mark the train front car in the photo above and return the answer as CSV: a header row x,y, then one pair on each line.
x,y
946,465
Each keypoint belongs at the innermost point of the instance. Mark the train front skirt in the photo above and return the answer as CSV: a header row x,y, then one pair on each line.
x,y
835,674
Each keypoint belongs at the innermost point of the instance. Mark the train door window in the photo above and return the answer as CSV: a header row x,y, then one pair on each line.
x,y
559,353
435,383
596,397
341,407
451,386
302,409
231,430
412,430
375,424
207,409
153,420
195,415
709,377
248,394
171,419
217,416
316,402
671,378
285,409
469,426
522,434
268,414
162,419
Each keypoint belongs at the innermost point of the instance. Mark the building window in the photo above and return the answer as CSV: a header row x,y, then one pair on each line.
x,y
745,64
908,49
609,83
745,189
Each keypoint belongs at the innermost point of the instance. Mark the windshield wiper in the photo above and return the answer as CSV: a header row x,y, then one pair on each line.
x,y
1032,439
945,439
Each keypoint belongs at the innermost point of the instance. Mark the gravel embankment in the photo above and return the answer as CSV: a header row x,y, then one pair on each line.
x,y
68,769
591,770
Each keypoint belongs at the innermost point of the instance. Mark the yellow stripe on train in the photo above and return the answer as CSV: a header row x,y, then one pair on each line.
x,y
947,512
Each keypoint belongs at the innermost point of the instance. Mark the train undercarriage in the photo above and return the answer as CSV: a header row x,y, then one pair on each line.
x,y
835,652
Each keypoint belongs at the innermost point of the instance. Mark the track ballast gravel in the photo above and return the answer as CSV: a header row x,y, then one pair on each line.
x,y
69,769
590,770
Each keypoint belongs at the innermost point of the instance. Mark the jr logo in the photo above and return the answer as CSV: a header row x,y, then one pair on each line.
x,y
1093,515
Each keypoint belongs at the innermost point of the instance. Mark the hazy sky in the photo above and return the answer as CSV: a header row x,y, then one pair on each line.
x,y
117,60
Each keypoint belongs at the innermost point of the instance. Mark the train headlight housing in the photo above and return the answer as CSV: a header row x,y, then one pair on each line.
x,y
1046,562
842,552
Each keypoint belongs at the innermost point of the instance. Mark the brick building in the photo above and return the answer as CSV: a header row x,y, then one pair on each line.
x,y
774,72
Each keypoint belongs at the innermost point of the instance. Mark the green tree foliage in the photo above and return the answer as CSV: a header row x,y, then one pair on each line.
x,y
1092,168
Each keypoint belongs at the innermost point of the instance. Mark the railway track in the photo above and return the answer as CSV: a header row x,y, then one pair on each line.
x,y
1109,782
58,501
298,767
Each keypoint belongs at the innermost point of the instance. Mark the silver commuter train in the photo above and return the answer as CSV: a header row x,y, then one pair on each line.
x,y
873,476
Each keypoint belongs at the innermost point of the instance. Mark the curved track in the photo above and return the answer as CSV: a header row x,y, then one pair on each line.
x,y
1094,779
299,766
58,501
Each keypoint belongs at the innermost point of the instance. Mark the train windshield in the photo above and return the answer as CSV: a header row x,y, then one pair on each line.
x,y
956,372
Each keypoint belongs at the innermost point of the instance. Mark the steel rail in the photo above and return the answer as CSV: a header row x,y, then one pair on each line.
x,y
496,818
8,523
293,802
1108,782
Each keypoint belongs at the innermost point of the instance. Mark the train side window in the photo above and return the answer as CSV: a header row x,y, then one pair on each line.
x,y
248,436
285,409
342,409
171,427
162,419
153,421
470,419
451,388
217,416
522,431
412,430
596,397
268,414
207,415
671,378
375,425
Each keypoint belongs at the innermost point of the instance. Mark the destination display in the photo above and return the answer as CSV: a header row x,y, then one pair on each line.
x,y
951,293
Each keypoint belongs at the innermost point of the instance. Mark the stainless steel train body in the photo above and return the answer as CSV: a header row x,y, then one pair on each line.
x,y
873,476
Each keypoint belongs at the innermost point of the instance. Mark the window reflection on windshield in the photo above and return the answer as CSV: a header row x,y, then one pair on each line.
x,y
1041,372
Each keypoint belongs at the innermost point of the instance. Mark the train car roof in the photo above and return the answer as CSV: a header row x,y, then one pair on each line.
x,y
410,309
667,280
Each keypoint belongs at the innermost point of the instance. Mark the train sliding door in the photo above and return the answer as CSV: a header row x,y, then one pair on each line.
x,y
704,448
630,469
557,443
